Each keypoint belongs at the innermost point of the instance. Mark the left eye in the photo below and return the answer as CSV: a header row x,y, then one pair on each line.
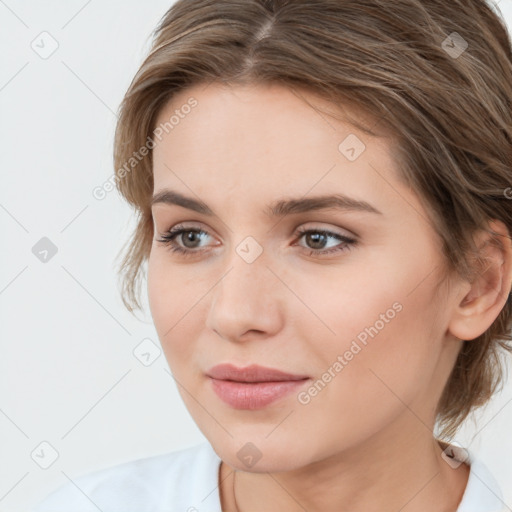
x,y
314,236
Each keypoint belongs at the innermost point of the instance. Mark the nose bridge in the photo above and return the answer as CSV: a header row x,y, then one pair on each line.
x,y
247,297
248,277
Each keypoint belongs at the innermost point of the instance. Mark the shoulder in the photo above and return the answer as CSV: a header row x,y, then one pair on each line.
x,y
177,480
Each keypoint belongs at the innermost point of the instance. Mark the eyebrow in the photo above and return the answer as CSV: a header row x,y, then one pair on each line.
x,y
278,208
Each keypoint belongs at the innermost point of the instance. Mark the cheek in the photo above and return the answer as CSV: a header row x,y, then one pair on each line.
x,y
176,308
380,358
165,296
159,285
382,321
170,289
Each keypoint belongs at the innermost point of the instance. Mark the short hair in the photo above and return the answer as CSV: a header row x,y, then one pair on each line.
x,y
436,75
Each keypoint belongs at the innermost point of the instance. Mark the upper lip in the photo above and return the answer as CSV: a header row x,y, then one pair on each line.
x,y
252,373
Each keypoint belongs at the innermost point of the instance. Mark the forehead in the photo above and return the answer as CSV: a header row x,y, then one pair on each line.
x,y
277,113
265,141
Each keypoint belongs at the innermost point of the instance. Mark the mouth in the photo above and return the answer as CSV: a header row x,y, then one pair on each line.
x,y
252,373
253,387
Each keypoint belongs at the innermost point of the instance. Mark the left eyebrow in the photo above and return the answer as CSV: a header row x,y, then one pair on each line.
x,y
278,208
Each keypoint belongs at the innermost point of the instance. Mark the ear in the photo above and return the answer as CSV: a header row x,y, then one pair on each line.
x,y
479,303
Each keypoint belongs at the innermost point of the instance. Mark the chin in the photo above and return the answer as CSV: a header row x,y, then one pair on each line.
x,y
255,454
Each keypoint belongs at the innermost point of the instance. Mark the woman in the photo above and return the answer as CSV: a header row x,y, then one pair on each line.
x,y
323,190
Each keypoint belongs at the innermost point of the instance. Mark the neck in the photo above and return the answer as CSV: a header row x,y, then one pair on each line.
x,y
411,477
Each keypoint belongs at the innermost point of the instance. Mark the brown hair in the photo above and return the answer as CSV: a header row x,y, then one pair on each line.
x,y
448,106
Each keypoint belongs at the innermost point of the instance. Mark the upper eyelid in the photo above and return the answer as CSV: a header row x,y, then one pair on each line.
x,y
198,226
299,230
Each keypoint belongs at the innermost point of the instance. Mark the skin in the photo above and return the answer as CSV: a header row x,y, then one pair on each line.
x,y
365,441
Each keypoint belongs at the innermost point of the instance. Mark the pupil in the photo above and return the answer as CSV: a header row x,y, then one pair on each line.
x,y
190,235
315,238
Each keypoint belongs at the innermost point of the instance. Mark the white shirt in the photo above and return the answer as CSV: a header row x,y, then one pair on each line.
x,y
187,481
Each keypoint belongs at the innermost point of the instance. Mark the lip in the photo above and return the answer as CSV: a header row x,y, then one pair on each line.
x,y
252,373
252,387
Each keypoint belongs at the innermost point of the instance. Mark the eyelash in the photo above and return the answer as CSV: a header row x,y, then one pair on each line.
x,y
168,240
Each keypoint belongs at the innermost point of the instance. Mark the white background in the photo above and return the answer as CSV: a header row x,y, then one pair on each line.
x,y
68,375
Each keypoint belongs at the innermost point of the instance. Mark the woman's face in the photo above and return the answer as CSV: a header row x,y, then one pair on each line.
x,y
351,304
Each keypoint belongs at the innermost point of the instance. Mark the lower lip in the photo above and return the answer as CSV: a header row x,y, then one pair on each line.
x,y
241,395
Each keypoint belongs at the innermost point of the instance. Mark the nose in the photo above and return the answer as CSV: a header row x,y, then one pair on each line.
x,y
249,299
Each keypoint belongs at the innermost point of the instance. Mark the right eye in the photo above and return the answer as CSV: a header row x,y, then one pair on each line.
x,y
169,239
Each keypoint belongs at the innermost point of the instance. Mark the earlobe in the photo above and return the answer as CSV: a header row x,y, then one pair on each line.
x,y
480,302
